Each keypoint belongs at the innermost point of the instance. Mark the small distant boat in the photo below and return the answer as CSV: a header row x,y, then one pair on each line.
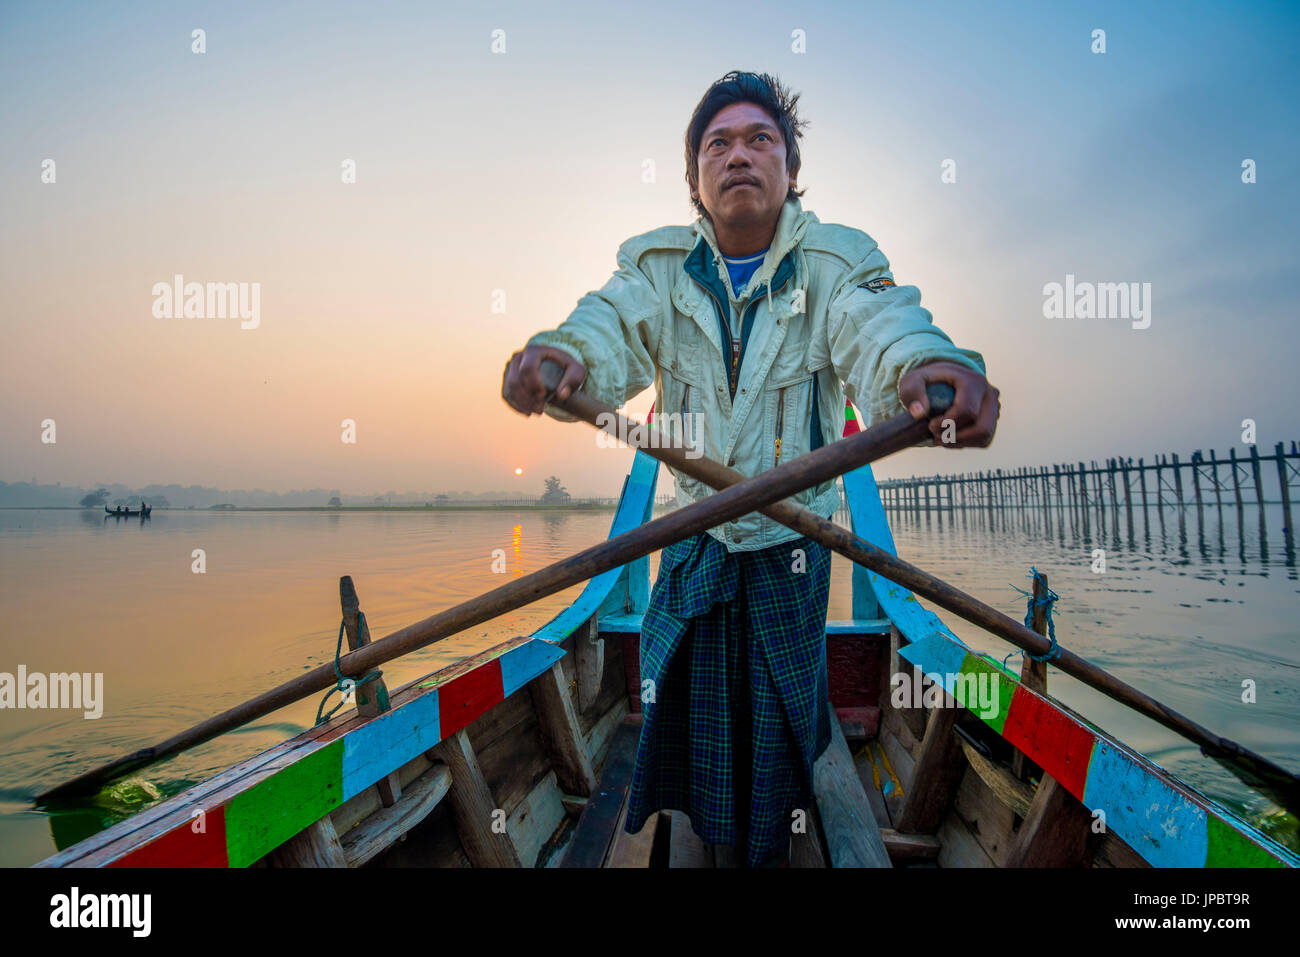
x,y
142,512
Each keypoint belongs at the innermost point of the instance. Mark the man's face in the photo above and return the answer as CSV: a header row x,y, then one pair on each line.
x,y
742,174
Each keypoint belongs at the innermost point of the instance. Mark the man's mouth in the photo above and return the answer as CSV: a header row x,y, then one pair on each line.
x,y
742,182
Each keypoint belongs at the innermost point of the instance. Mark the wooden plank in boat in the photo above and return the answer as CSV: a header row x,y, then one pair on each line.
x,y
909,848
632,850
1014,794
535,819
473,806
561,735
515,762
958,847
900,762
602,733
431,843
685,849
990,822
806,846
939,767
1113,852
613,686
314,846
631,655
588,663
595,829
1055,833
386,826
852,835
892,719
864,761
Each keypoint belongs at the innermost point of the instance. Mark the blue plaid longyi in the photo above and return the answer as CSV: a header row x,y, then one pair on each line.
x,y
735,643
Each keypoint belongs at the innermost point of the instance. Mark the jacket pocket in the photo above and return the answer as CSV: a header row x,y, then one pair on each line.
x,y
683,402
789,405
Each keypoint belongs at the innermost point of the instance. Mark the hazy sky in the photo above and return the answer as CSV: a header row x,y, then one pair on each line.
x,y
522,172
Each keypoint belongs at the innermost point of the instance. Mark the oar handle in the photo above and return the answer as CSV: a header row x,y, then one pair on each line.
x,y
940,394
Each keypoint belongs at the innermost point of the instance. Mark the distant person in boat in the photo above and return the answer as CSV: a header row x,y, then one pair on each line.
x,y
758,319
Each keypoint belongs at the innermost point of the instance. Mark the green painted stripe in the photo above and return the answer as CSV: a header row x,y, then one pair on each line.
x,y
1005,686
1230,848
272,811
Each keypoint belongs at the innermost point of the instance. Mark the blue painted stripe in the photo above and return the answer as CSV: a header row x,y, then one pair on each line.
x,y
521,665
858,626
938,657
869,522
633,507
383,745
1158,822
621,624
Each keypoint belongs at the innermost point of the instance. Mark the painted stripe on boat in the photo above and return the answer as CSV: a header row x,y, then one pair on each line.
x,y
394,736
1167,825
200,842
1158,822
1049,737
272,811
527,662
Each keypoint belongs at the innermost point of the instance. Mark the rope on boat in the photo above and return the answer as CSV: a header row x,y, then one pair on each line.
x,y
1047,600
345,686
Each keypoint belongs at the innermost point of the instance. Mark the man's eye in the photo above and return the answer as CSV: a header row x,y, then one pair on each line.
x,y
716,142
764,134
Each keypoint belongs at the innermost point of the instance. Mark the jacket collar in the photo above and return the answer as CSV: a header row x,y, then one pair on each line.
x,y
790,229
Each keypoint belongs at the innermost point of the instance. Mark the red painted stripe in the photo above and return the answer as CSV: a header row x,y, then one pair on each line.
x,y
464,699
182,847
1051,739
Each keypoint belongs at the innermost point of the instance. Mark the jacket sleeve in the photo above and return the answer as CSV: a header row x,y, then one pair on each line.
x,y
877,337
614,332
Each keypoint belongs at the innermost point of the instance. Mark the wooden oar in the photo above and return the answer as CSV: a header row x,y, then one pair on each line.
x,y
740,499
1253,769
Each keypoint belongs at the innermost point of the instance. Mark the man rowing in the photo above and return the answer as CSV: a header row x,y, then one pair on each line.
x,y
758,320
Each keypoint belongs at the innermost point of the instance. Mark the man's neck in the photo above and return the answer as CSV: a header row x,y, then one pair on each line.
x,y
744,239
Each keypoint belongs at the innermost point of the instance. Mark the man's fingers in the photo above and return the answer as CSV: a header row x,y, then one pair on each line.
x,y
530,377
911,390
514,395
967,400
980,434
572,378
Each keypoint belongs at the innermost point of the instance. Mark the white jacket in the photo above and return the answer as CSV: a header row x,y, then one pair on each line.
x,y
821,309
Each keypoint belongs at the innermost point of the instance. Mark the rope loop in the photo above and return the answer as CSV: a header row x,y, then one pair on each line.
x,y
1047,600
345,686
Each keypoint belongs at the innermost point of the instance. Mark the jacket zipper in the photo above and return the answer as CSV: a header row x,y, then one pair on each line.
x,y
723,313
780,419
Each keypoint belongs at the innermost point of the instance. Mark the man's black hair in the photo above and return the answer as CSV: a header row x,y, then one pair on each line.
x,y
761,89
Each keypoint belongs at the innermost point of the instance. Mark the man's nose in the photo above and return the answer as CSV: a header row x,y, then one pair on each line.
x,y
738,157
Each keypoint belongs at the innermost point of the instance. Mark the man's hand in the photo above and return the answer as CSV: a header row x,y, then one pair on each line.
x,y
521,384
973,417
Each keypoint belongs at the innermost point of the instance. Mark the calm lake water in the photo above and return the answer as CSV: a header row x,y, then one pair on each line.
x,y
1183,615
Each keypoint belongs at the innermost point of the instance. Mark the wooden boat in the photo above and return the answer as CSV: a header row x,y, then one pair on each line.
x,y
521,755
128,513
